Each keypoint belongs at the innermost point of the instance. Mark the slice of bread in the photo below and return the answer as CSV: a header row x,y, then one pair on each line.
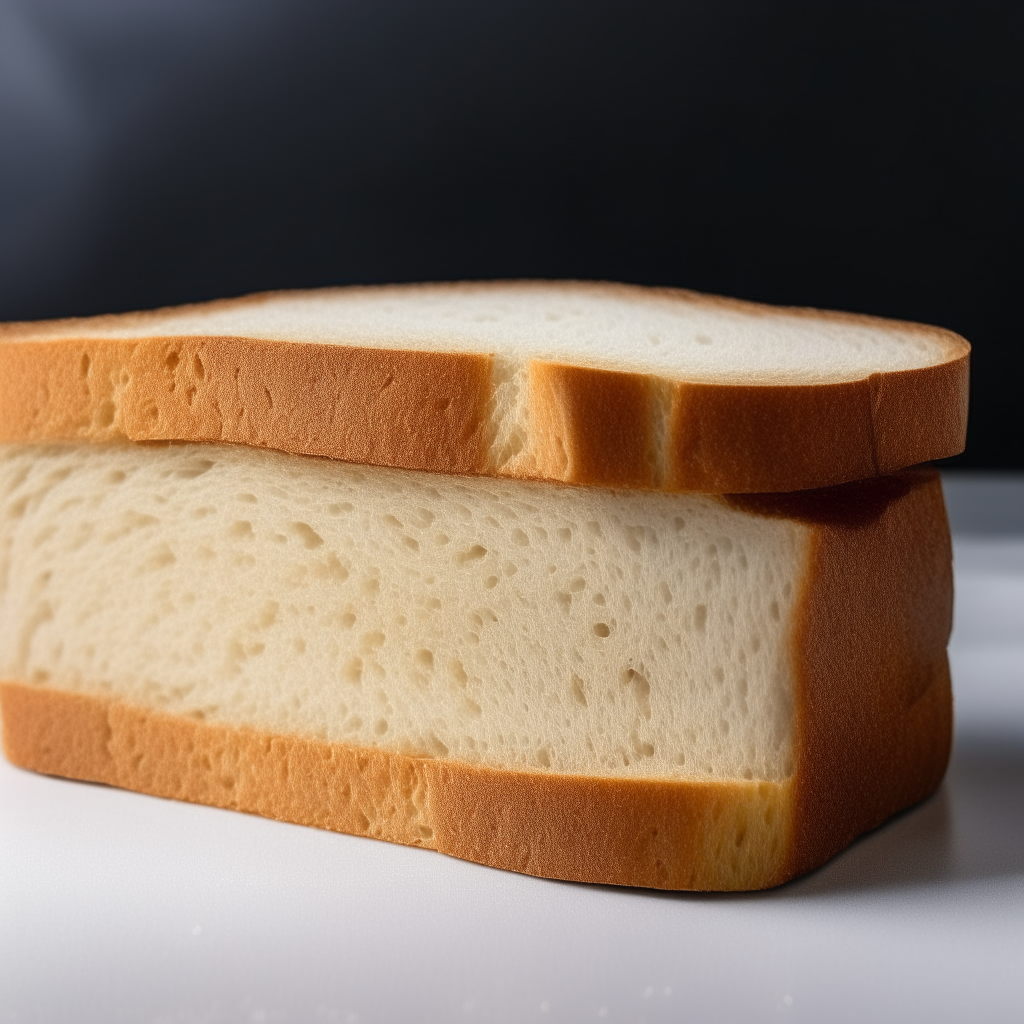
x,y
607,385
677,691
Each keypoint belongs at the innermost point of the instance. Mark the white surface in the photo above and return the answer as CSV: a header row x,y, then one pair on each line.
x,y
119,907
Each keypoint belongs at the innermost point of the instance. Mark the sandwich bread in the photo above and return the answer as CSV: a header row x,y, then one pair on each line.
x,y
673,690
606,385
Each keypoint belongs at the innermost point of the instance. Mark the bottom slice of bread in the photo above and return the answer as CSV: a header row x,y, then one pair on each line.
x,y
644,689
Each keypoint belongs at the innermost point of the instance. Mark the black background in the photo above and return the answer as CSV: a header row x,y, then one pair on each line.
x,y
862,157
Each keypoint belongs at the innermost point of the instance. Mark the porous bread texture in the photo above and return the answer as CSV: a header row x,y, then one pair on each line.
x,y
588,384
858,648
515,625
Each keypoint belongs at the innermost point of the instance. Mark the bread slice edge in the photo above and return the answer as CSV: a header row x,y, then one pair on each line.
x,y
698,835
435,411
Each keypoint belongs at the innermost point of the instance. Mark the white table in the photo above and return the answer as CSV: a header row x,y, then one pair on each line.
x,y
119,907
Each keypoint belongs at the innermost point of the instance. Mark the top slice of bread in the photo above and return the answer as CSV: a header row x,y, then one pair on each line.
x,y
602,384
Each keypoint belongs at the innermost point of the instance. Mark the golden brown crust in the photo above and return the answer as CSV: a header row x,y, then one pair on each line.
x,y
592,426
874,703
918,413
740,439
873,699
672,835
414,410
419,410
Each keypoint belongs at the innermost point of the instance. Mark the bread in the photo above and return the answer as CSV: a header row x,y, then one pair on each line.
x,y
669,690
605,385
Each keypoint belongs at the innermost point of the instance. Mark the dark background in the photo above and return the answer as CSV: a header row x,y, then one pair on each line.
x,y
863,157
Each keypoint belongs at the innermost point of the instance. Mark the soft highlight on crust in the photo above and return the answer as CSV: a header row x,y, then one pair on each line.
x,y
429,410
873,726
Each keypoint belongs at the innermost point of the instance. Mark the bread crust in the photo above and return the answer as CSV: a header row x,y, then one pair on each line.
x,y
873,729
874,705
672,835
64,380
